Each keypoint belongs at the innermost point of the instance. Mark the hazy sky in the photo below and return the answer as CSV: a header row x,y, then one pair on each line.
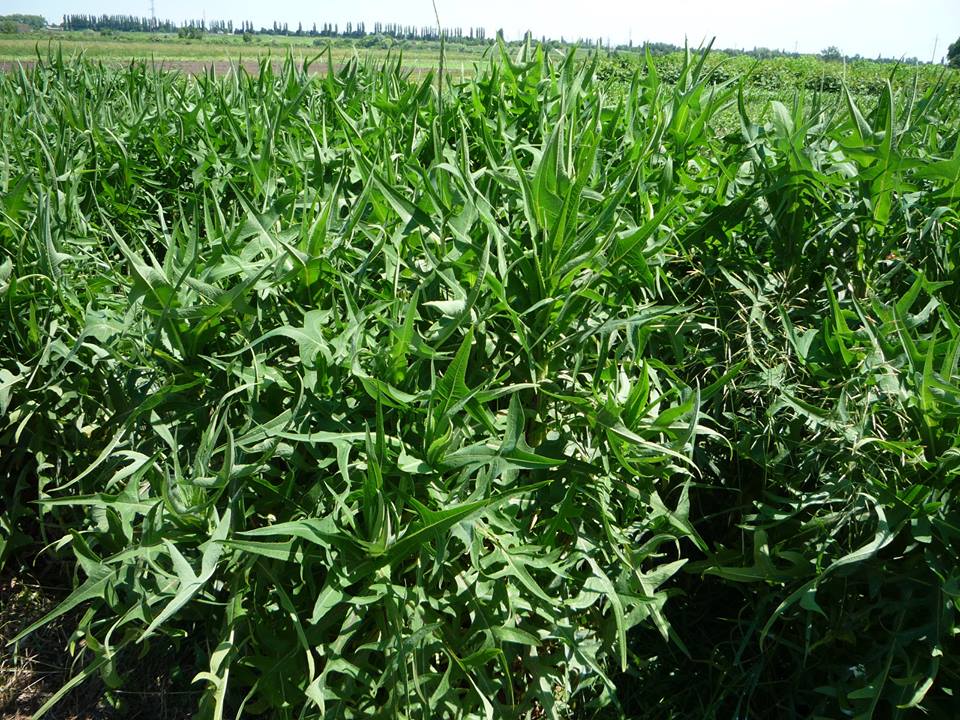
x,y
892,27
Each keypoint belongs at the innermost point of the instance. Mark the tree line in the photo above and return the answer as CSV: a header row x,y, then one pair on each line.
x,y
124,23
131,23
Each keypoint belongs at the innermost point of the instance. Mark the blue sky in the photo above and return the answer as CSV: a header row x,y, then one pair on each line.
x,y
869,27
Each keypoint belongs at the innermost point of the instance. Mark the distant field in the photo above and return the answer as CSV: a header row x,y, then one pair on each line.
x,y
222,51
777,76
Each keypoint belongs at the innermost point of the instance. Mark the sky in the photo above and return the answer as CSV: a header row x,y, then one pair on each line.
x,y
893,28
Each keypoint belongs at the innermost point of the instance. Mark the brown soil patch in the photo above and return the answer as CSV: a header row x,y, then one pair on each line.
x,y
35,669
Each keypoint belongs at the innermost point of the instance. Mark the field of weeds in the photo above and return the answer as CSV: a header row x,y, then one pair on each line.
x,y
348,394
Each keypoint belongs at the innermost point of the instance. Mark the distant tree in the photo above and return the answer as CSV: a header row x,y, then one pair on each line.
x,y
832,54
34,22
953,54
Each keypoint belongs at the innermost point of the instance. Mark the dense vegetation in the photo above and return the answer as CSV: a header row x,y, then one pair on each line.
x,y
34,22
536,396
13,23
953,54
783,74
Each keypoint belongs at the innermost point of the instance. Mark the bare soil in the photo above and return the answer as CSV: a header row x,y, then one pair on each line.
x,y
36,668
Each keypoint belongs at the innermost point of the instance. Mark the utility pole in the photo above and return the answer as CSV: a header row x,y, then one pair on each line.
x,y
153,12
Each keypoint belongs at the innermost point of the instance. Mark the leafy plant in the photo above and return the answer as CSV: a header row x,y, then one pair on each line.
x,y
368,400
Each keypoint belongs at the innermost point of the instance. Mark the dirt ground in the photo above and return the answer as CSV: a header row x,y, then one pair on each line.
x,y
32,671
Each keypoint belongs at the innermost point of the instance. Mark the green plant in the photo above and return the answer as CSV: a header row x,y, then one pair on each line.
x,y
953,54
831,54
537,397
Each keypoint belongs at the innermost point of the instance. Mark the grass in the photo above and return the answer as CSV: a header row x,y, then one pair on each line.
x,y
553,398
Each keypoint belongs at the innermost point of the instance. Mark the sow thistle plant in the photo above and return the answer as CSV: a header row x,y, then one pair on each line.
x,y
366,404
